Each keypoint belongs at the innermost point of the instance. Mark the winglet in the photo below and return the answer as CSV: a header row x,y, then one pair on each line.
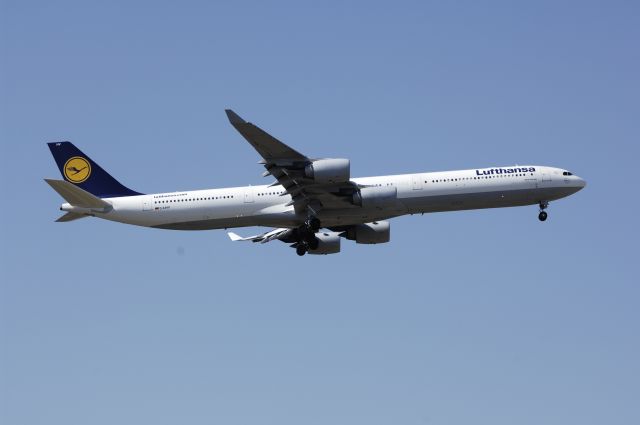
x,y
234,118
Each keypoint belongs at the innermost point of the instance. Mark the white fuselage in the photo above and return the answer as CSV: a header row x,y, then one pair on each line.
x,y
416,193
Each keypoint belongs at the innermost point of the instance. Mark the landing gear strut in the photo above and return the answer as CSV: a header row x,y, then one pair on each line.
x,y
313,223
543,214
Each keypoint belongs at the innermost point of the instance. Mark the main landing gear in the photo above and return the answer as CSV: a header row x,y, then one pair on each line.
x,y
307,236
543,214
313,224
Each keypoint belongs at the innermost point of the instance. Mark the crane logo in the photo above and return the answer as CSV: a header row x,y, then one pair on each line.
x,y
77,169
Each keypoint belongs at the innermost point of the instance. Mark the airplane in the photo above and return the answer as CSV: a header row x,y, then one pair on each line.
x,y
312,204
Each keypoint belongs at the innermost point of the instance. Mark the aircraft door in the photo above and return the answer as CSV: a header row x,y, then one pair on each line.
x,y
416,182
248,195
147,203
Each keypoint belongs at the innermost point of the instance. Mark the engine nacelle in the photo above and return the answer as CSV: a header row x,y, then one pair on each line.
x,y
329,243
375,196
370,233
333,170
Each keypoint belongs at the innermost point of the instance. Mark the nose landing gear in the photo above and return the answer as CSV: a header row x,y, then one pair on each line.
x,y
543,214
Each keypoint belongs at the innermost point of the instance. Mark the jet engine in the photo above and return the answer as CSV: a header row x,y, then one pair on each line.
x,y
332,170
328,243
368,197
370,233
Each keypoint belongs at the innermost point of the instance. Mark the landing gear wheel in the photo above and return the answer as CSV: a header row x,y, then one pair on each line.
x,y
543,206
301,250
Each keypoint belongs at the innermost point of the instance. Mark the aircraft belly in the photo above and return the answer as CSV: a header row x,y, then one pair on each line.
x,y
480,200
269,217
349,216
207,224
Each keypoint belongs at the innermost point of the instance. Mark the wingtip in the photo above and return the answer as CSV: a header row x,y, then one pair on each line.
x,y
233,117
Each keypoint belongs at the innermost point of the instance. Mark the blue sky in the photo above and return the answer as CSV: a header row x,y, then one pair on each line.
x,y
486,317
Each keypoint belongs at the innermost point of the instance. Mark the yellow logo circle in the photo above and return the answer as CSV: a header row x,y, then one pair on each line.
x,y
77,169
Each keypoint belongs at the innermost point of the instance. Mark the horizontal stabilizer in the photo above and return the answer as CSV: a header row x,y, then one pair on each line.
x,y
70,217
235,237
76,196
263,238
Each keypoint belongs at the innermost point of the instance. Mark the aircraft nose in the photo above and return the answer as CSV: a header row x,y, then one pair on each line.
x,y
581,183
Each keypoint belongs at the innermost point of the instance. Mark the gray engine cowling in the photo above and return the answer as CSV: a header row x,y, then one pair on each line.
x,y
368,197
370,233
329,243
331,170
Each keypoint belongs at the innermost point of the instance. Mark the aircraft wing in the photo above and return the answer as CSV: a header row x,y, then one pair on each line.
x,y
267,146
288,167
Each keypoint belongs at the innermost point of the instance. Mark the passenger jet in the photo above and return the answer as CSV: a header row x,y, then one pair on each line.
x,y
312,203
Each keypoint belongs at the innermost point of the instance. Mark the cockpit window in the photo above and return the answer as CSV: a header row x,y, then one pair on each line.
x,y
567,173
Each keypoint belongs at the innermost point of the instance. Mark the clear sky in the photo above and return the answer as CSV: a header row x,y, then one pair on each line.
x,y
483,317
